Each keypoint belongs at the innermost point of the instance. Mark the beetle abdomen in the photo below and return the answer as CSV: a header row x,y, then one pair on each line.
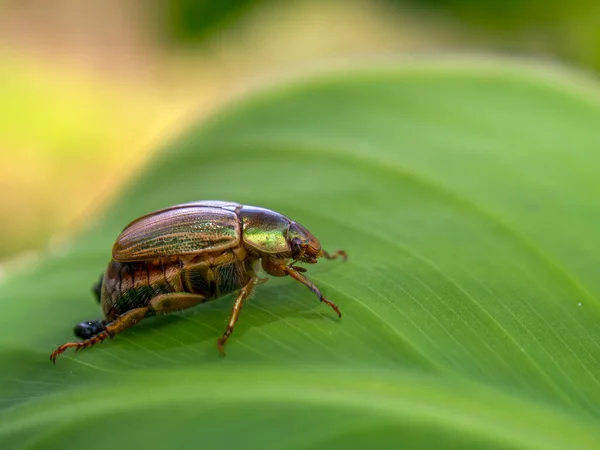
x,y
132,285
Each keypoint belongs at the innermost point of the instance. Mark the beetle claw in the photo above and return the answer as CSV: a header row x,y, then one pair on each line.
x,y
221,346
78,345
333,306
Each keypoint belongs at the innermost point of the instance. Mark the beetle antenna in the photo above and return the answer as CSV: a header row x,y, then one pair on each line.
x,y
335,255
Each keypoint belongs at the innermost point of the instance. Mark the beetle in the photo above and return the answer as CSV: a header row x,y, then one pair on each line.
x,y
178,257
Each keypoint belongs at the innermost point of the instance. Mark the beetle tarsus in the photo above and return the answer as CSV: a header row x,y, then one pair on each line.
x,y
333,306
221,343
121,323
78,345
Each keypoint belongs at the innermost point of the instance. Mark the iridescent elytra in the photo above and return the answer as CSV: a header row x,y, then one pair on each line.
x,y
178,257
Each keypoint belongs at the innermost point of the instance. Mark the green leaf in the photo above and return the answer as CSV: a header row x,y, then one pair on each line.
x,y
466,197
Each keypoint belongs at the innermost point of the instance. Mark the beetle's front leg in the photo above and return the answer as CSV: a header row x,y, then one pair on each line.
x,y
296,275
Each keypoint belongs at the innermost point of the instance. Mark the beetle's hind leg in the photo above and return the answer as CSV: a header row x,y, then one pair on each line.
x,y
168,303
161,304
121,323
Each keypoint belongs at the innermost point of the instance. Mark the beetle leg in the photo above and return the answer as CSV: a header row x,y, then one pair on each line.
x,y
299,269
168,303
335,254
261,280
121,323
296,275
245,292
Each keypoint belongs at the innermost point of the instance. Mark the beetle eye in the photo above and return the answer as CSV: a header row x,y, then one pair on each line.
x,y
296,246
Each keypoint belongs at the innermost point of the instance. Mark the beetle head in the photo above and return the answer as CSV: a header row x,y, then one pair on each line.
x,y
305,247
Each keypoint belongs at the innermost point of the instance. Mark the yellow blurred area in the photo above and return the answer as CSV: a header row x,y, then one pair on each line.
x,y
86,93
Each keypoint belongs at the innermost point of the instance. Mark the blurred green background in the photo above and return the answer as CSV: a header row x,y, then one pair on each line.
x,y
88,89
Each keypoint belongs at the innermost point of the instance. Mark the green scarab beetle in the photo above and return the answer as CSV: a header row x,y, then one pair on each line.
x,y
178,257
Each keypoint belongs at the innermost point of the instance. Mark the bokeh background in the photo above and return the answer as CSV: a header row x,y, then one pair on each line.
x,y
89,89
